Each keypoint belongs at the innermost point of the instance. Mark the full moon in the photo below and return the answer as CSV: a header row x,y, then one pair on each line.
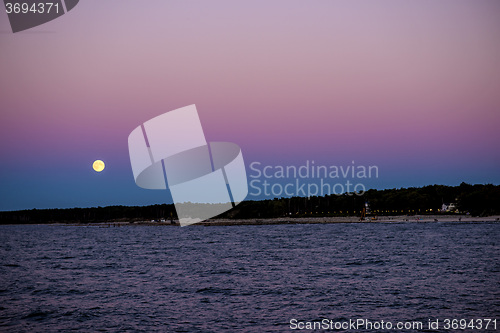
x,y
98,165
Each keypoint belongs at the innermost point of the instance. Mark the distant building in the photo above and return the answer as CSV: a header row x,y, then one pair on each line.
x,y
367,208
450,207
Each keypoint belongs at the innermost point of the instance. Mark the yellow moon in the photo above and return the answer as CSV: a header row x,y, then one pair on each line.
x,y
98,165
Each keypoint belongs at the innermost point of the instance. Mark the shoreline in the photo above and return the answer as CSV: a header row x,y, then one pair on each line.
x,y
352,219
290,220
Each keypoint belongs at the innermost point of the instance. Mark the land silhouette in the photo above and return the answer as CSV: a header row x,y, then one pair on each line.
x,y
475,200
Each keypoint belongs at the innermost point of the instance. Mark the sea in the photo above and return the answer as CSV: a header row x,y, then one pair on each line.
x,y
339,277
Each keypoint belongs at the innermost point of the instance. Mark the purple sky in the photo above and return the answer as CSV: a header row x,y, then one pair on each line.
x,y
412,87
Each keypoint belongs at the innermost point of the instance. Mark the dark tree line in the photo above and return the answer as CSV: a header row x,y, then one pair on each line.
x,y
89,215
474,199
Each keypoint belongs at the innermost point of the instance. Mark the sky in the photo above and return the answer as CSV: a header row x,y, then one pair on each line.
x,y
411,87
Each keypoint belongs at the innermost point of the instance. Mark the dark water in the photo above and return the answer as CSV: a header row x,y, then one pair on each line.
x,y
245,278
